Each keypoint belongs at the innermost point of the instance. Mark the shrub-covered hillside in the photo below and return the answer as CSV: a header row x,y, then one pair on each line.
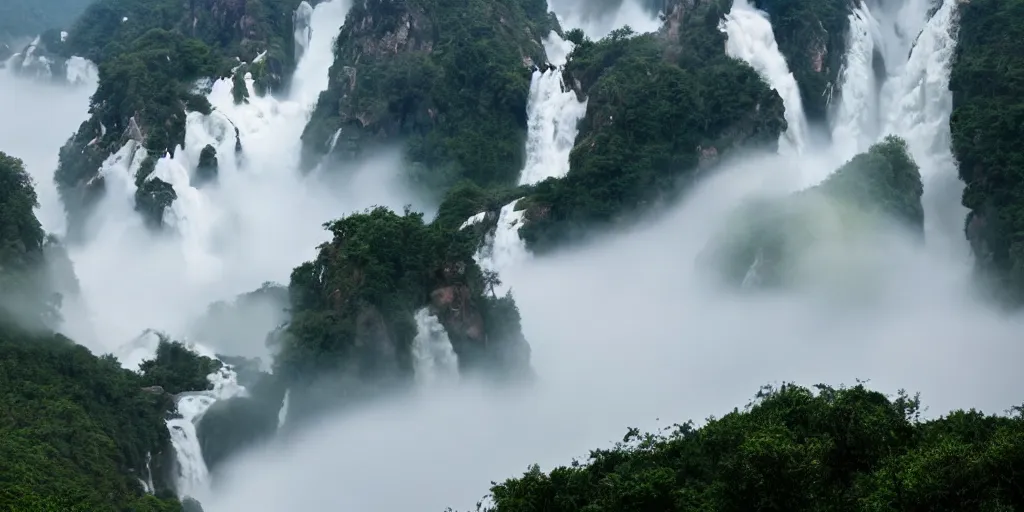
x,y
792,450
78,432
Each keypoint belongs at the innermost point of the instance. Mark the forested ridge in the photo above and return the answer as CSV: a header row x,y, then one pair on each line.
x,y
794,449
449,82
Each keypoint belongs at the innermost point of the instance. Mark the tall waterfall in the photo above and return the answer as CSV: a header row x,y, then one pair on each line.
x,y
750,39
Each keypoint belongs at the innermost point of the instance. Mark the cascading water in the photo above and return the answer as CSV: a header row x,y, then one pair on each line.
x,y
856,120
750,39
553,112
434,360
256,220
914,101
193,475
282,415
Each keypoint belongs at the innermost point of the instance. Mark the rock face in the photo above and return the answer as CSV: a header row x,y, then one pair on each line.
x,y
812,35
448,80
768,242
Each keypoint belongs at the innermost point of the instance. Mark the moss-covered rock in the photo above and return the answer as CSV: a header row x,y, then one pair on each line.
x,y
451,79
766,242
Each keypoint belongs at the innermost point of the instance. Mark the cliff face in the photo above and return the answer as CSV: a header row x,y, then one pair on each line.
x,y
449,80
987,113
769,242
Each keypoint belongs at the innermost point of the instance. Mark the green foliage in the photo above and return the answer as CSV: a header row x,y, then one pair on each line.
x,y
29,18
811,34
986,80
377,271
77,430
466,199
657,112
772,235
450,78
177,369
27,292
794,450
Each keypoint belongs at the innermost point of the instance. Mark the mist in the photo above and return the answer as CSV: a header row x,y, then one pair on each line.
x,y
599,18
626,332
39,117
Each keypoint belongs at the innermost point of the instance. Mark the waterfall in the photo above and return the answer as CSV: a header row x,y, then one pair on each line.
x,y
856,119
750,39
434,360
914,103
193,476
553,112
282,415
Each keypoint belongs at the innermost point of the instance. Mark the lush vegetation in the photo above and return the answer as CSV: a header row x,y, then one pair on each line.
x,y
29,18
450,78
795,449
812,35
151,54
176,368
29,291
661,108
353,306
764,241
78,433
986,80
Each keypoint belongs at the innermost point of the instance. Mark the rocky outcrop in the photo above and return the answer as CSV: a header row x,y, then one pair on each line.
x,y
450,81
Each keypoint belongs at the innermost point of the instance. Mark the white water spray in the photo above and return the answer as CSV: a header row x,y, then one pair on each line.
x,y
553,112
750,39
434,360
